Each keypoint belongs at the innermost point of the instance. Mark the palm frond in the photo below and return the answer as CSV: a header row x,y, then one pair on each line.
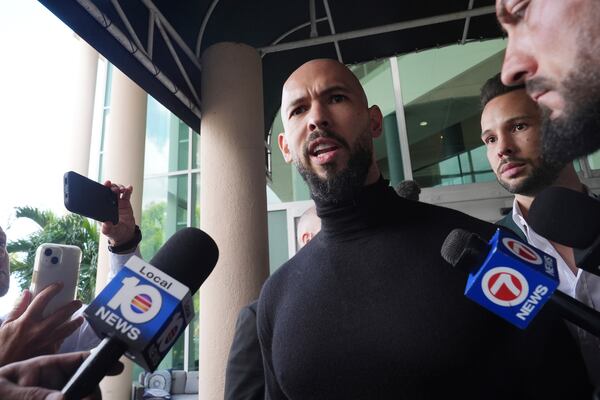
x,y
70,229
18,246
40,217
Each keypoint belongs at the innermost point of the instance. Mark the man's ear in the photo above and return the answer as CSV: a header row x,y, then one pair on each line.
x,y
306,237
283,146
376,119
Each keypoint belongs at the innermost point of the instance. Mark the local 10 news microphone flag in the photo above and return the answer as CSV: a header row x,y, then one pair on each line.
x,y
507,277
144,309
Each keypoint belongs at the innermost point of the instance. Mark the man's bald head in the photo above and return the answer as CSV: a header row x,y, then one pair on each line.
x,y
329,129
304,75
309,224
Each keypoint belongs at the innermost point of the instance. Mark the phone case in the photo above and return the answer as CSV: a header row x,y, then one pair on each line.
x,y
89,198
54,263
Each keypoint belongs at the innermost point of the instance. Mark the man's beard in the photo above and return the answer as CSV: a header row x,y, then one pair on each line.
x,y
542,176
346,183
577,132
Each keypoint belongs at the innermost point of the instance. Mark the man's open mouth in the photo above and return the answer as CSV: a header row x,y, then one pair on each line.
x,y
323,149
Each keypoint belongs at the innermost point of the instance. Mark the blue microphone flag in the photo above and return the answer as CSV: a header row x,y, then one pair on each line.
x,y
144,308
515,280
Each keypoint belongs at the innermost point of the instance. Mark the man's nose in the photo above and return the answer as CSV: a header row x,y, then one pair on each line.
x,y
505,147
319,117
519,64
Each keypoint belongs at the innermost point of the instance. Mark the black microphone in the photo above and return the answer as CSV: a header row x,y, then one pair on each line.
x,y
470,253
570,218
565,216
144,309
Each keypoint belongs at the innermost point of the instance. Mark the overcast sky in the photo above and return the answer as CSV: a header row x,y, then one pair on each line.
x,y
34,103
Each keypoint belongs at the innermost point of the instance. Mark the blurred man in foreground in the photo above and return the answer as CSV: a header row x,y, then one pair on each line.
x,y
554,49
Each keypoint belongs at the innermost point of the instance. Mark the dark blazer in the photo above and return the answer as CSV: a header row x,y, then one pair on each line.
x,y
244,376
507,222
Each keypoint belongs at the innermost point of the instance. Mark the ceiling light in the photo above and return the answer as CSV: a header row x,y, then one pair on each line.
x,y
423,123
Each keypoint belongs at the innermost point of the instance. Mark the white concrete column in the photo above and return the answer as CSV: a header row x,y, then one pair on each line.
x,y
79,123
233,204
124,144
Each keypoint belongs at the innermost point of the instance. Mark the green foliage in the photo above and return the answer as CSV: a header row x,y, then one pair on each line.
x,y
70,229
153,219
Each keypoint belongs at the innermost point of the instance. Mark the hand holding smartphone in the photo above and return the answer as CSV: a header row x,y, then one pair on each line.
x,y
56,263
91,199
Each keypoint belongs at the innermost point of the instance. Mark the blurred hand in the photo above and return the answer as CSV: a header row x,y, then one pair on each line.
x,y
123,231
42,378
25,333
4,265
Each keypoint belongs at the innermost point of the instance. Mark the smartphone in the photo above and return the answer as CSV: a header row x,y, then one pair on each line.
x,y
89,198
56,263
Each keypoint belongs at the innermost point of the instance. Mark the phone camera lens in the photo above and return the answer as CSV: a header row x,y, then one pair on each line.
x,y
48,252
54,260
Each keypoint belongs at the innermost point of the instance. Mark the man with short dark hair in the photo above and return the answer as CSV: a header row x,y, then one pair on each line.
x,y
554,49
369,309
510,126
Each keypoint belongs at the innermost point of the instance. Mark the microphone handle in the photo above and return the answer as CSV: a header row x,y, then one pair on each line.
x,y
576,312
93,369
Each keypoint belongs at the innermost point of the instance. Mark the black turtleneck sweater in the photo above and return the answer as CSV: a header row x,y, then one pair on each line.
x,y
369,309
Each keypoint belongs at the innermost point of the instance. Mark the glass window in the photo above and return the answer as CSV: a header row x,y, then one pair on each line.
x,y
278,239
440,91
101,167
164,211
594,160
195,200
195,150
166,141
183,139
108,90
105,114
194,336
376,79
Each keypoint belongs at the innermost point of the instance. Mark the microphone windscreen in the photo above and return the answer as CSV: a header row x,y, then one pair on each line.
x,y
464,250
565,216
189,256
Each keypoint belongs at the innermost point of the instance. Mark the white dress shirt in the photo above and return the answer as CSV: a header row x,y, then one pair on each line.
x,y
568,280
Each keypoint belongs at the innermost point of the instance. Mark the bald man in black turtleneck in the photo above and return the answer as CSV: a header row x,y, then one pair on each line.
x,y
368,309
